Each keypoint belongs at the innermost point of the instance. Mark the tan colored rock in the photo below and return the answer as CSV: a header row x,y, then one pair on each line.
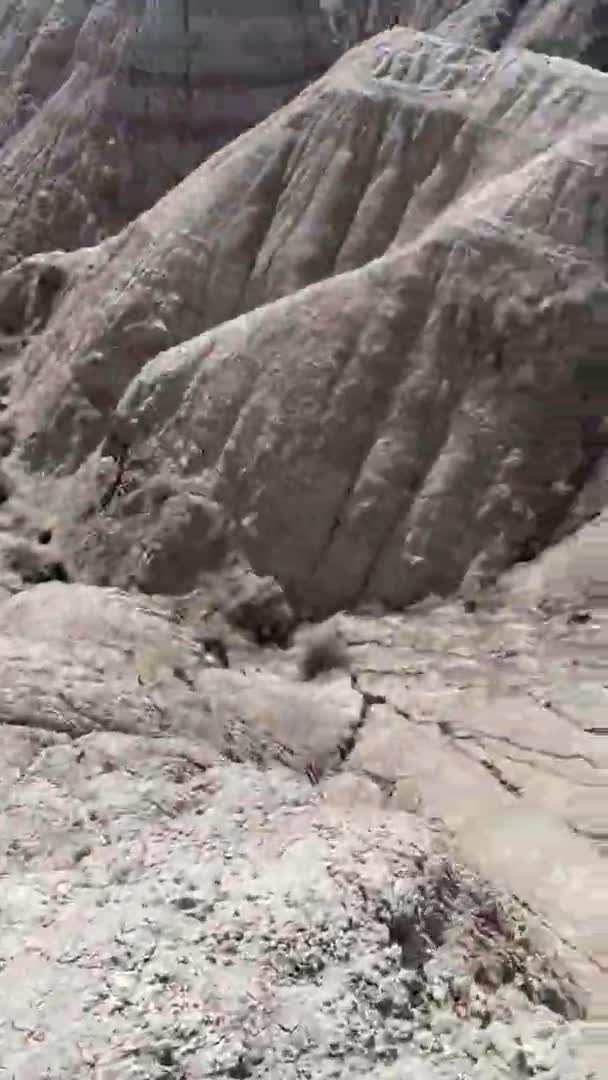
x,y
406,795
572,574
558,875
352,792
81,659
491,728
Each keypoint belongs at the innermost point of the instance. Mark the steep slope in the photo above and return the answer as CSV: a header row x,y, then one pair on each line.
x,y
577,29
567,28
422,416
105,104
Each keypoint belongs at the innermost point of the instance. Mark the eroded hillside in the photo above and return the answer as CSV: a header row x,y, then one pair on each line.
x,y
106,104
372,330
326,341
576,29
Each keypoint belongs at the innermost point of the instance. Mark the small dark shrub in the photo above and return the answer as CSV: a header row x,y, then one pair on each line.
x,y
33,567
323,649
259,608
6,487
7,439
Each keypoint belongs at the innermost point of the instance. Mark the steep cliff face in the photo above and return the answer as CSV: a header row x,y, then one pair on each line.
x,y
372,329
577,29
105,104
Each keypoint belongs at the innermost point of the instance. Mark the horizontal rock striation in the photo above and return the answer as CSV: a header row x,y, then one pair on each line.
x,y
372,329
105,105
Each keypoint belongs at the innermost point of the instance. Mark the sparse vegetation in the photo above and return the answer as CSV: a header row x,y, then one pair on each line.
x,y
34,566
322,649
6,487
7,438
215,648
258,607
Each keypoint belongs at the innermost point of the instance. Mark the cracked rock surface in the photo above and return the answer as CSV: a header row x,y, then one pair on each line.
x,y
167,917
211,872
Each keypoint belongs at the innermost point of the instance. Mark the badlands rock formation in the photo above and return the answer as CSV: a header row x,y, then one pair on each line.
x,y
106,104
571,28
274,348
372,330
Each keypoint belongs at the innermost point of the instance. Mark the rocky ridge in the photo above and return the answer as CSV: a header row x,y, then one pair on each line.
x,y
493,251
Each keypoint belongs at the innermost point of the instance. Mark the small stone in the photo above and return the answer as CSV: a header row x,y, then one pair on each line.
x,y
501,1039
520,1062
443,1022
539,1056
439,993
406,795
423,1041
186,903
241,1068
489,972
545,1029
166,1056
476,1044
384,1005
579,617
82,853
461,987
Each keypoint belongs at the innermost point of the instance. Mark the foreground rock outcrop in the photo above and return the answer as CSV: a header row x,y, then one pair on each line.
x,y
227,873
227,923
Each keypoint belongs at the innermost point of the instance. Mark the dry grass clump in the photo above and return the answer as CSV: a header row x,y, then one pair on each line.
x,y
322,649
